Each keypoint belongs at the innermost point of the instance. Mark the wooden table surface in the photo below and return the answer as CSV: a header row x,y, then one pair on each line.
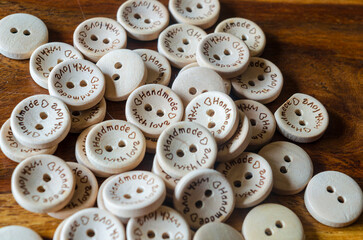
x,y
317,44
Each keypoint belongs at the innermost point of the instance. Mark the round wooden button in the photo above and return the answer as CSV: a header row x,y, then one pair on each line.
x,y
151,144
143,19
96,37
18,232
224,53
204,196
42,183
152,108
262,81
251,178
262,122
178,43
170,182
246,30
302,118
134,194
215,111
46,57
291,166
217,231
21,34
40,121
272,221
334,199
124,71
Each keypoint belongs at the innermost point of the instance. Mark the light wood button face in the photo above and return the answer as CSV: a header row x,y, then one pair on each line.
x,y
217,231
40,121
224,53
152,108
96,37
262,81
272,221
302,118
291,166
18,232
46,57
246,30
170,182
204,196
42,183
143,19
124,71
184,147
178,43
334,199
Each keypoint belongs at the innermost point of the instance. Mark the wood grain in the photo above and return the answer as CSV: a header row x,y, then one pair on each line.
x,y
317,44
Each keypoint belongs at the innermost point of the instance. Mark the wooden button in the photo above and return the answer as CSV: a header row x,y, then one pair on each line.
x,y
178,43
124,71
143,20
134,194
217,231
151,144
58,230
262,122
291,166
46,57
115,146
334,199
272,221
42,183
21,34
184,147
15,150
152,108
302,118
251,178
96,37
203,14
224,53
246,30
215,111
170,182
18,232
40,121
262,81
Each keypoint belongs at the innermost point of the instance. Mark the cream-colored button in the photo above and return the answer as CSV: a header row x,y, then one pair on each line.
x,y
18,232
15,150
224,53
58,230
272,221
143,19
21,34
334,199
246,30
262,122
302,118
153,107
262,81
134,194
179,42
124,71
151,144
202,13
291,166
217,231
170,182
215,111
184,147
204,196
251,178
40,121
42,183
46,57
96,37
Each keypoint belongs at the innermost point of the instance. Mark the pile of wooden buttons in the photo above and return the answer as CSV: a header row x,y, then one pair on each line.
x,y
212,154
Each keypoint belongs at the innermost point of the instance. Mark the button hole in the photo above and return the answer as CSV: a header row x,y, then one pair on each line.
x,y
341,199
148,107
237,183
287,158
210,112
278,224
26,32
329,189
208,193
253,122
211,125
193,148
180,153
13,30
248,175
199,204
283,169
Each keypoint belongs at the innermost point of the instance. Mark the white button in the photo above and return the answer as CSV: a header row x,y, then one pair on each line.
x,y
262,81
21,34
170,182
18,232
58,230
272,221
291,166
46,57
302,118
96,37
151,144
217,231
143,20
42,183
334,199
224,53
